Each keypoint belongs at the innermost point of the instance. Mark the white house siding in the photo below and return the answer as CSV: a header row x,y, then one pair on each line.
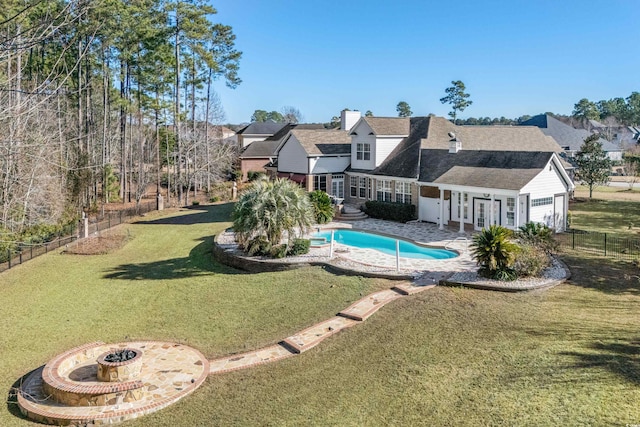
x,y
615,156
361,136
332,164
293,158
383,147
546,184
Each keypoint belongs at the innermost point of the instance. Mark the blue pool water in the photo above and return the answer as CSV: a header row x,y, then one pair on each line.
x,y
361,239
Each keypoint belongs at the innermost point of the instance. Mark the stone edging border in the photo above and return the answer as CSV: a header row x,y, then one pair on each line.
x,y
253,265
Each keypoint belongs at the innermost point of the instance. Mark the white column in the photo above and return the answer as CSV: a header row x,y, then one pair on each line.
x,y
516,208
491,210
461,211
441,209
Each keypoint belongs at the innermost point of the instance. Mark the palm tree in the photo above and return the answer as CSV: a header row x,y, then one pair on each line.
x,y
494,251
270,209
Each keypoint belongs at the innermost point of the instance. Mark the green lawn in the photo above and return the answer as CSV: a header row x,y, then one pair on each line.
x,y
611,210
565,356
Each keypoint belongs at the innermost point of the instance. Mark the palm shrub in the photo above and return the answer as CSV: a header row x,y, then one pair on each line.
x,y
495,252
269,210
538,235
322,207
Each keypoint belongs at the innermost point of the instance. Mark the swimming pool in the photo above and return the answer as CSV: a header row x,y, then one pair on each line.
x,y
387,245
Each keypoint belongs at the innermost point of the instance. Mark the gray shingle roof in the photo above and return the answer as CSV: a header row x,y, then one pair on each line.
x,y
323,141
565,135
501,157
509,170
261,128
388,125
497,138
268,147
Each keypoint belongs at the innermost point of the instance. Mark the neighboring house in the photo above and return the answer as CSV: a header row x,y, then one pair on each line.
x,y
228,135
261,156
570,138
257,131
471,176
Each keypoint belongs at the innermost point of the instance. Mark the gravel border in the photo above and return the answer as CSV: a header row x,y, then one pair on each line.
x,y
557,273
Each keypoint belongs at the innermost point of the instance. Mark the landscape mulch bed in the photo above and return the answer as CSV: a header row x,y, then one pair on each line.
x,y
98,245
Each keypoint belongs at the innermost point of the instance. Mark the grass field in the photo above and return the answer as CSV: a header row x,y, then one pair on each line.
x,y
611,210
565,356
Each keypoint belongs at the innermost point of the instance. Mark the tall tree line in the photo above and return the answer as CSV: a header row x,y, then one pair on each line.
x,y
98,98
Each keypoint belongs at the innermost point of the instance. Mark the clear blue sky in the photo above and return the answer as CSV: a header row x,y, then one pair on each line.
x,y
515,57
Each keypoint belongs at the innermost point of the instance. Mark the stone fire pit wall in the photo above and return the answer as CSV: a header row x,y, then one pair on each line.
x,y
119,371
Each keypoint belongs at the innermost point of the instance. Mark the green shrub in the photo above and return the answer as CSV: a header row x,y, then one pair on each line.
x,y
401,212
504,275
299,247
253,175
214,199
495,253
278,251
538,235
236,175
258,246
40,233
322,207
195,203
531,261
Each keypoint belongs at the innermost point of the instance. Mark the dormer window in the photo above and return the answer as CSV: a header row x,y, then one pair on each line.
x,y
363,151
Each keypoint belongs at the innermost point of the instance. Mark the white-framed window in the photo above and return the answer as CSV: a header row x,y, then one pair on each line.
x,y
363,151
403,192
384,190
362,188
353,186
511,211
320,182
465,206
542,201
370,188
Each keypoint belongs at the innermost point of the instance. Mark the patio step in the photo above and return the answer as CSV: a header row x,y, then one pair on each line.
x,y
349,213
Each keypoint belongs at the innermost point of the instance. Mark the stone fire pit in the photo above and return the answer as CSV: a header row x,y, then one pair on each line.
x,y
119,365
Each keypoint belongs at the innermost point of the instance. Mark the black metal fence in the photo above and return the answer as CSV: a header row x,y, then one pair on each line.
x,y
600,244
103,221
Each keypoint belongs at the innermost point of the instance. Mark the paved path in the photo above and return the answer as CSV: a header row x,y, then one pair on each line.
x,y
314,335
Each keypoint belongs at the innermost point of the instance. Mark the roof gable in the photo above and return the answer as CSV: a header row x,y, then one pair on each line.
x,y
323,142
509,170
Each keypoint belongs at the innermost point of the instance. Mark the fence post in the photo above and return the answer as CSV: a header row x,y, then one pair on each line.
x,y
120,217
31,252
20,256
605,244
573,237
9,256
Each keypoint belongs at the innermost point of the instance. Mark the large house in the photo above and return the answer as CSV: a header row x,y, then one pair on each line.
x,y
471,176
464,176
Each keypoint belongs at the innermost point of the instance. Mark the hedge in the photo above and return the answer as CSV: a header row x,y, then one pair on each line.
x,y
401,212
